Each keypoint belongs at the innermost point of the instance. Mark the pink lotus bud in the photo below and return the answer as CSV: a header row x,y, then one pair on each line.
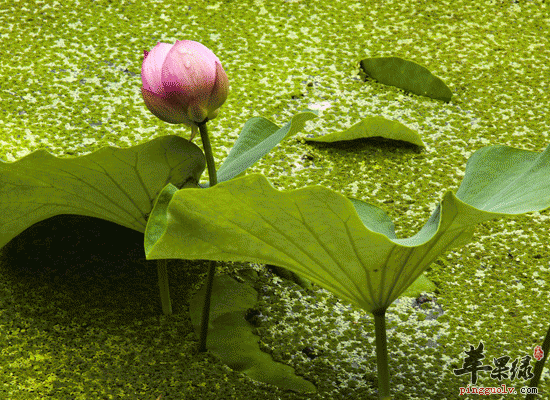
x,y
183,83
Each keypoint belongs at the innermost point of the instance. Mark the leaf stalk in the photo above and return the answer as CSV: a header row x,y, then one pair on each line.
x,y
382,354
212,269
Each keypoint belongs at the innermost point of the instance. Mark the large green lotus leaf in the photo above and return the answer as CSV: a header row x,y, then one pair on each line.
x,y
346,246
258,137
407,75
114,184
374,127
506,180
232,338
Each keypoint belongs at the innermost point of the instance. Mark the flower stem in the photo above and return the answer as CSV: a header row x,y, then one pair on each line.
x,y
539,365
382,354
212,268
164,287
208,153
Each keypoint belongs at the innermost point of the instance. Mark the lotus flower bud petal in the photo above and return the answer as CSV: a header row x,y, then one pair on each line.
x,y
164,108
183,83
220,90
152,67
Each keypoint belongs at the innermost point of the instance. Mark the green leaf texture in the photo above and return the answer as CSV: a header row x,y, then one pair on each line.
x,y
114,184
258,137
406,75
232,338
374,127
346,246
